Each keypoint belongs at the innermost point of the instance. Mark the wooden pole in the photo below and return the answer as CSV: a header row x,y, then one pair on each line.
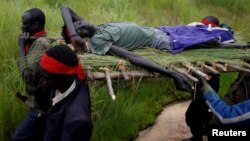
x,y
89,73
196,71
109,83
219,66
118,74
238,68
247,65
120,66
124,73
208,68
182,71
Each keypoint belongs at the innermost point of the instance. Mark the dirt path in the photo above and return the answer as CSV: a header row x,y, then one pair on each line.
x,y
169,126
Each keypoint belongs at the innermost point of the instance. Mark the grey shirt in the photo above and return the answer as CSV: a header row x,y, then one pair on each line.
x,y
124,34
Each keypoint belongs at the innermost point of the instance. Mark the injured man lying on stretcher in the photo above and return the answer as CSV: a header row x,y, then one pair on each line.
x,y
118,38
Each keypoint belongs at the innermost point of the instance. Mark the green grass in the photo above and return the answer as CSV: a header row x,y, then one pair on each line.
x,y
136,107
225,81
138,101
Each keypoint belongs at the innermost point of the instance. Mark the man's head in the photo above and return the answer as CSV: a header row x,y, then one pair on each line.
x,y
83,29
33,21
60,65
214,21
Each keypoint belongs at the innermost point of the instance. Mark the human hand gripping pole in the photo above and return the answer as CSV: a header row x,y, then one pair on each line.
x,y
181,83
204,86
21,97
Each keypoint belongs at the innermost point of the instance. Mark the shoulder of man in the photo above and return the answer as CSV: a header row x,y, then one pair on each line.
x,y
50,41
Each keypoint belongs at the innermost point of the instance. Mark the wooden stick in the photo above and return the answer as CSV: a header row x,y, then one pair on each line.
x,y
124,73
238,68
118,74
89,73
219,66
122,68
182,71
196,71
109,83
210,69
245,64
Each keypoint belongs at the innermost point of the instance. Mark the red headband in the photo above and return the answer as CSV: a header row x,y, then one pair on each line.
x,y
53,66
206,22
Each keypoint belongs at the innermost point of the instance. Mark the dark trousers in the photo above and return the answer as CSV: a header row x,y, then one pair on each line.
x,y
32,127
197,114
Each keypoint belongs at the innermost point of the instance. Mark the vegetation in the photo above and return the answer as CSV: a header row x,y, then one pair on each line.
x,y
139,101
231,56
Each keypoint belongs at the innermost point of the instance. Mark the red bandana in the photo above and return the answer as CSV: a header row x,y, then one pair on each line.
x,y
53,66
41,33
206,22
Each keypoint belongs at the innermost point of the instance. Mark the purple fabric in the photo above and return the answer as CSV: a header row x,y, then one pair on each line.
x,y
184,36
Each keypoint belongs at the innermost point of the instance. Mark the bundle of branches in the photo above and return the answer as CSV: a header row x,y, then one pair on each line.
x,y
189,62
207,59
230,56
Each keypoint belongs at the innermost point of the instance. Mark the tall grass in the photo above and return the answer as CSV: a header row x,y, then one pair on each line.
x,y
138,101
12,111
225,82
136,107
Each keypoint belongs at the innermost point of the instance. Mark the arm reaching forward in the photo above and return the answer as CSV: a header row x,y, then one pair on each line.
x,y
181,82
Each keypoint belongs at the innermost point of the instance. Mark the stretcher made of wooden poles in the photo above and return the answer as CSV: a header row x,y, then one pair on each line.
x,y
190,70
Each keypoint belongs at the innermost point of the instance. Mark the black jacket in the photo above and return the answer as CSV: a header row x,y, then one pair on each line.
x,y
70,118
